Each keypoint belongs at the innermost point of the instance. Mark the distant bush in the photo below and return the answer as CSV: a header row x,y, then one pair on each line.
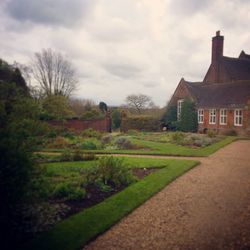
x,y
123,143
92,115
107,139
69,191
141,123
91,133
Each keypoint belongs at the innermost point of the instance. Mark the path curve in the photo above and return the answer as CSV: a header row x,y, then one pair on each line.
x,y
207,208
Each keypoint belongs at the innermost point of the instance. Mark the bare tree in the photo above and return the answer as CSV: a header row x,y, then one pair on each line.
x,y
54,74
79,106
139,102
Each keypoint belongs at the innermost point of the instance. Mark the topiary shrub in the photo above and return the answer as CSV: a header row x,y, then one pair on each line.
x,y
123,143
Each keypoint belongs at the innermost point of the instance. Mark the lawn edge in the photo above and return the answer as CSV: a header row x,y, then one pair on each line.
x,y
79,229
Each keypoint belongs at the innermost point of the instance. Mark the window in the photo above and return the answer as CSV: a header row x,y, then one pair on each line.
x,y
200,115
179,104
223,116
212,116
238,117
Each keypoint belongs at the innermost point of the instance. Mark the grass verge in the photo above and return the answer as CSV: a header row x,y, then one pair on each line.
x,y
77,230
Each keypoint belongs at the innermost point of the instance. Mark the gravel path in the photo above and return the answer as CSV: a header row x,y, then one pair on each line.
x,y
207,208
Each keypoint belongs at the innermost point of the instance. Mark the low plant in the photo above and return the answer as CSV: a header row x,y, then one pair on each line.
x,y
88,145
123,142
132,132
177,137
69,191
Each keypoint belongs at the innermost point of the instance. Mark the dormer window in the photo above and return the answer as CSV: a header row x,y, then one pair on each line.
x,y
179,105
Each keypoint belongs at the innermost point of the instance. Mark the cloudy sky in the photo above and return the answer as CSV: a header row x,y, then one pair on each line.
x,y
121,47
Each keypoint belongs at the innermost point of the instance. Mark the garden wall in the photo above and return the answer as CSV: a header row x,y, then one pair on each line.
x,y
102,125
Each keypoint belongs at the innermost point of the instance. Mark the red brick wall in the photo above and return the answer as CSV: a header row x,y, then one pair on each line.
x,y
244,129
103,125
181,92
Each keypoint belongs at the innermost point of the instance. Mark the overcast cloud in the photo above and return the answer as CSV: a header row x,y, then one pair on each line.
x,y
120,47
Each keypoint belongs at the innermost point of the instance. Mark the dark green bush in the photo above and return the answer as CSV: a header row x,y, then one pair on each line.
x,y
169,118
110,171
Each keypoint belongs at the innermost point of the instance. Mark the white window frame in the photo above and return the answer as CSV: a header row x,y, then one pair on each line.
x,y
223,116
179,105
200,116
238,117
212,116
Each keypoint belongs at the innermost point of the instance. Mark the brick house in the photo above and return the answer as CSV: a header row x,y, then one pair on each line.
x,y
223,97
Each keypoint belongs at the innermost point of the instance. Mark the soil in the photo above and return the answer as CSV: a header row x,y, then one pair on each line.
x,y
95,196
207,208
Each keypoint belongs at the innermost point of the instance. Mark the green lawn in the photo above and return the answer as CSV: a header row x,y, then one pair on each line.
x,y
159,148
77,230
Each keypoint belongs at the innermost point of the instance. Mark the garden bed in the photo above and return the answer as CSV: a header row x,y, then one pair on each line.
x,y
96,196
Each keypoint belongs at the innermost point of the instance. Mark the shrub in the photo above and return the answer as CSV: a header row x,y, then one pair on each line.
x,y
107,139
211,133
91,133
188,119
110,171
177,137
169,118
123,143
89,145
69,191
202,141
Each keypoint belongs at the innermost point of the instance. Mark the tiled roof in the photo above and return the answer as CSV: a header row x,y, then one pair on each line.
x,y
237,68
234,94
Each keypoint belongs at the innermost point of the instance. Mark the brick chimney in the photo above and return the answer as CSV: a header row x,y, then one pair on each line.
x,y
217,46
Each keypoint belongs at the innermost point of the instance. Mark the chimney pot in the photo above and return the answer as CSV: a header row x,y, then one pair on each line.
x,y
218,33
